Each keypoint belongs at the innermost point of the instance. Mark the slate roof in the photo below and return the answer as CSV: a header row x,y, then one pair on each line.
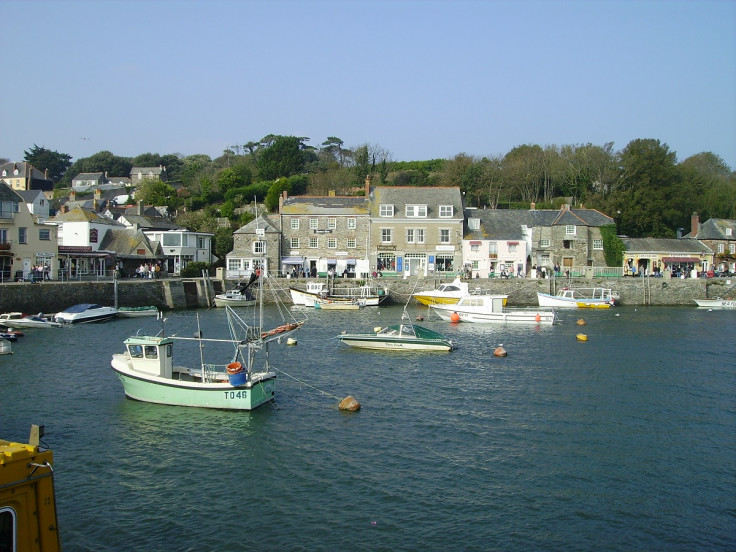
x,y
79,214
22,167
564,217
150,223
715,229
29,196
401,196
666,245
497,224
262,221
126,242
90,176
324,205
9,194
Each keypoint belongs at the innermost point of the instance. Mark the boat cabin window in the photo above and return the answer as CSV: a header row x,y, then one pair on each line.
x,y
136,351
151,351
8,529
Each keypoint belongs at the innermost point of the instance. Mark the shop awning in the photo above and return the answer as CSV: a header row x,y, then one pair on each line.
x,y
476,243
292,260
350,261
512,243
331,261
680,259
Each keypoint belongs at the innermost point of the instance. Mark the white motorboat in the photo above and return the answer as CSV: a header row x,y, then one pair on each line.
x,y
716,303
405,336
489,309
20,320
239,296
578,298
85,312
445,294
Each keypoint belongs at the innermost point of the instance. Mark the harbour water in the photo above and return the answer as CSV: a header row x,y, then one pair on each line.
x,y
626,441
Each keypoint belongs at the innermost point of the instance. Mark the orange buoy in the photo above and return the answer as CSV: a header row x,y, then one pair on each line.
x,y
350,404
500,352
581,322
455,317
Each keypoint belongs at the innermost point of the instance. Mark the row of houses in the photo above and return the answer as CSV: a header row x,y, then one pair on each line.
x,y
423,231
90,239
392,231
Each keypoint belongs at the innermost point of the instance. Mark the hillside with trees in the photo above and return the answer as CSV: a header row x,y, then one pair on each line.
x,y
643,186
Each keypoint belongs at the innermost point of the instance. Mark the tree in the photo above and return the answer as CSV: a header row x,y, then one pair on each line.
x,y
282,158
524,170
103,161
152,191
43,159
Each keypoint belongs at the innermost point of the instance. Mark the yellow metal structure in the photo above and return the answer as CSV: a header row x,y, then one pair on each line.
x,y
27,502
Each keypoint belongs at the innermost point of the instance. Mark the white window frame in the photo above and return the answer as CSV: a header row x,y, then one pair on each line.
x,y
544,242
352,243
295,223
386,235
598,244
331,242
331,223
721,247
259,247
446,211
385,210
313,224
570,230
294,243
313,242
410,235
445,235
352,223
474,223
416,211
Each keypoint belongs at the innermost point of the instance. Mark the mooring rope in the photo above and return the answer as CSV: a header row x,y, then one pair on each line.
x,y
307,384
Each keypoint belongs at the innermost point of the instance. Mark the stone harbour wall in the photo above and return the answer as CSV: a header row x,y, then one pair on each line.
x,y
182,293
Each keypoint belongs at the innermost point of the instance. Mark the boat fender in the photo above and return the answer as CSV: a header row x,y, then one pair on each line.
x,y
581,322
582,337
455,317
537,318
500,352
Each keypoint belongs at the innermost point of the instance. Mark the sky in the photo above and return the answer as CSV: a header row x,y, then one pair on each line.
x,y
418,79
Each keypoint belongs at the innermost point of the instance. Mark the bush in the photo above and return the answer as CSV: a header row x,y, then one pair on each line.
x,y
194,270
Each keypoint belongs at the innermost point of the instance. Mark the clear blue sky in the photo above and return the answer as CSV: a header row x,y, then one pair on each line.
x,y
419,79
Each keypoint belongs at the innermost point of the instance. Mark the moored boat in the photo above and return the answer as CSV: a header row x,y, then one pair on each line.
x,y
404,336
137,312
28,518
490,309
148,372
328,304
578,298
716,303
370,294
240,296
85,312
445,294
20,320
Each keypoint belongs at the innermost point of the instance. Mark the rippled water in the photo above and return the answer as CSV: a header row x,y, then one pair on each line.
x,y
624,442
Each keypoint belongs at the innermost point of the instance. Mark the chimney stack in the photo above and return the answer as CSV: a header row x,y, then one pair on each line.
x,y
367,185
140,207
694,225
533,206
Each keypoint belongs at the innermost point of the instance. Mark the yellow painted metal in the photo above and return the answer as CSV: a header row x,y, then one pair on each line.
x,y
27,496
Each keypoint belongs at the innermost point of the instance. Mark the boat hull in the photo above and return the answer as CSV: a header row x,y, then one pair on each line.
x,y
307,299
137,313
553,301
369,341
716,303
227,302
509,316
194,394
430,300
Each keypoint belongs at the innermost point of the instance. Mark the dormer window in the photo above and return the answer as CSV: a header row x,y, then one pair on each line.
x,y
474,223
386,210
729,231
445,211
5,173
416,211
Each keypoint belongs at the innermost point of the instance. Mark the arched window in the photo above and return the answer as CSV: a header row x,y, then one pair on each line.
x,y
93,235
